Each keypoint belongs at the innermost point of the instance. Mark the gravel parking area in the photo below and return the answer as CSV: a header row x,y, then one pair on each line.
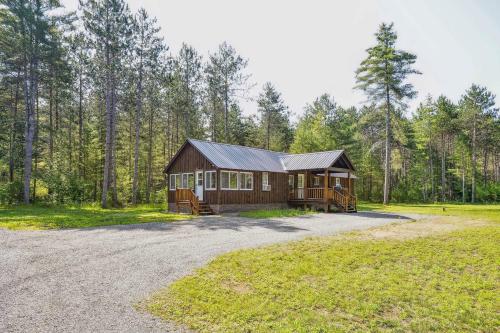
x,y
88,280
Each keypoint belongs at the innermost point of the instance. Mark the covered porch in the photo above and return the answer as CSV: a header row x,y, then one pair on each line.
x,y
323,188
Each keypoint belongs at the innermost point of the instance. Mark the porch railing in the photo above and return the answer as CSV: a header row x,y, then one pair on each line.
x,y
186,195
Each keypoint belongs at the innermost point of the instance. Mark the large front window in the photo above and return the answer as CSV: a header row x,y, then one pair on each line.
x,y
246,181
210,180
187,180
174,181
228,180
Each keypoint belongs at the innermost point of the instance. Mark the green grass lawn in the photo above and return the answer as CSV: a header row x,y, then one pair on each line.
x,y
484,211
273,213
59,217
438,274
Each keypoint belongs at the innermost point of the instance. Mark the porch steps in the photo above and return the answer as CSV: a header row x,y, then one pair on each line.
x,y
205,209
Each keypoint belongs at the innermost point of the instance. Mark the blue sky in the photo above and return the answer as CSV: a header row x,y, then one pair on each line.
x,y
307,48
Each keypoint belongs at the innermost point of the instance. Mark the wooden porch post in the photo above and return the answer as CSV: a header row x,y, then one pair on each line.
x,y
325,190
305,184
349,182
325,186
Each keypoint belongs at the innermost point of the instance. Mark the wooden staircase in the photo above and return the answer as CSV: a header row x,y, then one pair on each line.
x,y
188,199
344,201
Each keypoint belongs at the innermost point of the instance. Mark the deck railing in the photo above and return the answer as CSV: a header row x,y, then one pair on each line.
x,y
186,195
339,195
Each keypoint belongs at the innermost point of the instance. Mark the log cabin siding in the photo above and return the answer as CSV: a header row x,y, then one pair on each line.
x,y
277,194
188,161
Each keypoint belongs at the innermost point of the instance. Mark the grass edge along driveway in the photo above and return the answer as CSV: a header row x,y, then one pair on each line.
x,y
439,274
36,217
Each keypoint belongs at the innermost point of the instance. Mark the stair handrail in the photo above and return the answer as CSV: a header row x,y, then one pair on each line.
x,y
189,195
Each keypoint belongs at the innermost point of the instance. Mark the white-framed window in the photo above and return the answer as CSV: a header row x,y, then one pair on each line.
x,y
174,181
187,180
246,181
265,182
290,181
337,182
210,180
316,181
228,180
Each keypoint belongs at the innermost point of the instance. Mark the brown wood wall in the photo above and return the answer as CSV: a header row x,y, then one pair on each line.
x,y
190,159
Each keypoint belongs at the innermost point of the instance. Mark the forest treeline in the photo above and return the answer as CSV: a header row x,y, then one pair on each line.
x,y
94,104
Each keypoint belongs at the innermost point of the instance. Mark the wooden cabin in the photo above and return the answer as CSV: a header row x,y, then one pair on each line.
x,y
206,177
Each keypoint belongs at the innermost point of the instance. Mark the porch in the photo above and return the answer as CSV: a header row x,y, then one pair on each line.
x,y
323,189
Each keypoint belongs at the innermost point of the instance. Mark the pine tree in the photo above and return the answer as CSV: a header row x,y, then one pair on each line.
x,y
382,77
476,104
147,51
108,23
275,127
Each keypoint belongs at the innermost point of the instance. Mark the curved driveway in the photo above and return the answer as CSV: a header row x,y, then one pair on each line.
x,y
87,280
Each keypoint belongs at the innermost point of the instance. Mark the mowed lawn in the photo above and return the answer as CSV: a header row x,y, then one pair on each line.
x,y
59,217
436,274
483,211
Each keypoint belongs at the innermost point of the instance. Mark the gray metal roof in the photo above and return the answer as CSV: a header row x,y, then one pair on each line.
x,y
239,157
255,159
319,160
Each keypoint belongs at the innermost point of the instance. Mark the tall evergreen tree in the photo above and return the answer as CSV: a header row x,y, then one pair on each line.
x,y
382,76
275,124
476,104
108,24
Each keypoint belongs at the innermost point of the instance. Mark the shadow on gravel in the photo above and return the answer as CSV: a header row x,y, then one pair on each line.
x,y
382,215
206,223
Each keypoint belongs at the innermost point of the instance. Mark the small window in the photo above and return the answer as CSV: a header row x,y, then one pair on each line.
x,y
265,182
187,180
316,181
290,181
174,181
228,180
210,180
246,181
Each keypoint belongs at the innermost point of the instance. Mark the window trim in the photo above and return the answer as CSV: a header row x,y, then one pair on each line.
x,y
174,182
316,181
229,180
265,187
239,180
214,188
187,180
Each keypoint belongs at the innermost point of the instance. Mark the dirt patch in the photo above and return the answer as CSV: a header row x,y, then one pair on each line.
x,y
420,228
241,288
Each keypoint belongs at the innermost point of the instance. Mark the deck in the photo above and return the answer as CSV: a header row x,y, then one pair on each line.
x,y
317,196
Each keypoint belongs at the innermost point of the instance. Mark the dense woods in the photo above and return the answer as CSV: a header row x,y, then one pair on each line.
x,y
93,104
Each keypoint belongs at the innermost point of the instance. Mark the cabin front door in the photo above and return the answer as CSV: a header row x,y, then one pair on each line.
x,y
199,185
300,186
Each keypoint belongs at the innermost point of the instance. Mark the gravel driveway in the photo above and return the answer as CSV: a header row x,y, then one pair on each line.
x,y
87,280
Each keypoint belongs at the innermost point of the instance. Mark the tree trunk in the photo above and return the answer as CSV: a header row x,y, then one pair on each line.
x,y
81,164
12,142
443,169
51,125
113,142
387,171
30,86
36,137
109,135
485,168
135,180
463,179
150,158
473,176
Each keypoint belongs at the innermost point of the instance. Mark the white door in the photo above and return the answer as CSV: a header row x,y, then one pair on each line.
x,y
300,186
199,185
